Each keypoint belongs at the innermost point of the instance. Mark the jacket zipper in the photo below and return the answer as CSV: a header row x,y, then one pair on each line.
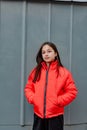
x,y
45,91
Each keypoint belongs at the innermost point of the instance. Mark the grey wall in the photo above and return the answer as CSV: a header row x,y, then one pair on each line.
x,y
23,27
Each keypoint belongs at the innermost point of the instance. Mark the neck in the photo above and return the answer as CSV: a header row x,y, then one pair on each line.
x,y
48,64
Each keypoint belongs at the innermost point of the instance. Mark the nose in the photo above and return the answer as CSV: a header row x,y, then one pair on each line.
x,y
46,54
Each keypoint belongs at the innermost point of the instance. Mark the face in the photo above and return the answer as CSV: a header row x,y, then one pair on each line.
x,y
48,54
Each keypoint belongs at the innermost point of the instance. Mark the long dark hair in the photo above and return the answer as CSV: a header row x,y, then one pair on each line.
x,y
39,59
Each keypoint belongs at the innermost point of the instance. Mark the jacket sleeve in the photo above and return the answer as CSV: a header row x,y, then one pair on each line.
x,y
69,92
29,88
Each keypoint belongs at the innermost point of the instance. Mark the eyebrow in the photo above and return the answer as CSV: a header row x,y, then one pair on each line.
x,y
47,50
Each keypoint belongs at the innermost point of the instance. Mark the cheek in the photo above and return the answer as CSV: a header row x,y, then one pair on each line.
x,y
43,56
53,56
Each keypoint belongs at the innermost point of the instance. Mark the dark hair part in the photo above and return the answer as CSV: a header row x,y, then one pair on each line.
x,y
39,59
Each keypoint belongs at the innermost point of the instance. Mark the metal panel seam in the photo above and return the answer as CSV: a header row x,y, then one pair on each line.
x,y
23,65
49,22
70,60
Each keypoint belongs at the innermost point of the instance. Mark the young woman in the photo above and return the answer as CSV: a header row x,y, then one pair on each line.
x,y
50,87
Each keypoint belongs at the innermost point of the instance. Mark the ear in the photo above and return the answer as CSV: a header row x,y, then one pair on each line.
x,y
55,54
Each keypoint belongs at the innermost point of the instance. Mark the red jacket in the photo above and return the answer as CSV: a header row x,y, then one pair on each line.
x,y
51,93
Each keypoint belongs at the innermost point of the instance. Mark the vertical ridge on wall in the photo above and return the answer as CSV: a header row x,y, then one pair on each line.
x,y
23,65
70,59
0,19
49,21
71,26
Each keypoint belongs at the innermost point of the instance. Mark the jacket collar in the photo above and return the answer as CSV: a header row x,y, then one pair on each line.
x,y
53,65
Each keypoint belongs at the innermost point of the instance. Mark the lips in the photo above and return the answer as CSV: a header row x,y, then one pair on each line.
x,y
46,58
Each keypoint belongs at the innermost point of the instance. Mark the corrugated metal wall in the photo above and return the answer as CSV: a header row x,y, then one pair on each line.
x,y
23,27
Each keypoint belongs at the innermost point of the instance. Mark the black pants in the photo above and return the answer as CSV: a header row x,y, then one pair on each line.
x,y
54,123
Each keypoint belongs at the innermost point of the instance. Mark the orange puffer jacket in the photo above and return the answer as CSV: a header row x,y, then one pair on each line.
x,y
51,93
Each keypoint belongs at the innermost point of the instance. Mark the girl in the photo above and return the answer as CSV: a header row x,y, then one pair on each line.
x,y
50,87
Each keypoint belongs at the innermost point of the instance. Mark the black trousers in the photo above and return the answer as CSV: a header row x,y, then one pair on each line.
x,y
54,123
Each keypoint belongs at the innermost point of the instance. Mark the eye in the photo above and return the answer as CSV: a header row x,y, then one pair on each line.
x,y
49,51
43,52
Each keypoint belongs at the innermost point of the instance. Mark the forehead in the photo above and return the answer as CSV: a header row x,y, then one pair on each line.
x,y
46,47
